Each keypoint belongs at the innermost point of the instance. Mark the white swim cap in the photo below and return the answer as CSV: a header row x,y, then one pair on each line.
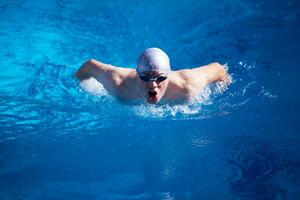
x,y
153,59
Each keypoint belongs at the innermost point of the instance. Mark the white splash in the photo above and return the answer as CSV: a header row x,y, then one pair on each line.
x,y
267,93
94,87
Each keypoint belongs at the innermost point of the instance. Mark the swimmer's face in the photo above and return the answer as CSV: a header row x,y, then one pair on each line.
x,y
155,85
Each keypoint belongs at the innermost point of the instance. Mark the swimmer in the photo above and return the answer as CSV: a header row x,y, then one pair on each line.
x,y
153,78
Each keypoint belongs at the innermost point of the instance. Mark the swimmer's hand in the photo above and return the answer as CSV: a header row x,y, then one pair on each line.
x,y
223,74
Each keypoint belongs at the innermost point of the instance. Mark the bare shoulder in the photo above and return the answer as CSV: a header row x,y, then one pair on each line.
x,y
187,80
188,76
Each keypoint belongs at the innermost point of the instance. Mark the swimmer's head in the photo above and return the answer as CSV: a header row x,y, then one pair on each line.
x,y
153,66
153,60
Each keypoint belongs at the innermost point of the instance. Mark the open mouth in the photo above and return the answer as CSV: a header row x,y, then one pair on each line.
x,y
152,96
152,93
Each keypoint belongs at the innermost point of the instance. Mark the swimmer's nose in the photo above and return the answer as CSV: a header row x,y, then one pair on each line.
x,y
153,84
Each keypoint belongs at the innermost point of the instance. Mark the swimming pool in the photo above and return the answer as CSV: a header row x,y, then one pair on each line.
x,y
58,141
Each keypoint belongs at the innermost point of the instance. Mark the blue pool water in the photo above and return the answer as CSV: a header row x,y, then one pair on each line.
x,y
58,141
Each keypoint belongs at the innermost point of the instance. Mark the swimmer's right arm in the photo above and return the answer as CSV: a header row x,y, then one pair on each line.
x,y
92,68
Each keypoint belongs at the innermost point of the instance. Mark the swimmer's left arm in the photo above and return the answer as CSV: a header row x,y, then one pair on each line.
x,y
214,72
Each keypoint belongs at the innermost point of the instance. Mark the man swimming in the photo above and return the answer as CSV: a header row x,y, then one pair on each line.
x,y
152,79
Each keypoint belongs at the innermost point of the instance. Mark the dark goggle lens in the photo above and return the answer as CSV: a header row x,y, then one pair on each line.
x,y
158,78
161,78
145,78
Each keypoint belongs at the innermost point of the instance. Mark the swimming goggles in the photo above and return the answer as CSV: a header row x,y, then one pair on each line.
x,y
158,78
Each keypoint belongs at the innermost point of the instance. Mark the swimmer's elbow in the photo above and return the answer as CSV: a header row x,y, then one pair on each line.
x,y
90,62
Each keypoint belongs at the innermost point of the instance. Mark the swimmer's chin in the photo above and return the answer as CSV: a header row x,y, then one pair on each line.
x,y
154,99
152,102
161,101
134,102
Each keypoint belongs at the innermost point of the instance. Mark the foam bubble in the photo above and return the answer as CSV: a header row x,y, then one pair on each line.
x,y
161,111
94,87
267,93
